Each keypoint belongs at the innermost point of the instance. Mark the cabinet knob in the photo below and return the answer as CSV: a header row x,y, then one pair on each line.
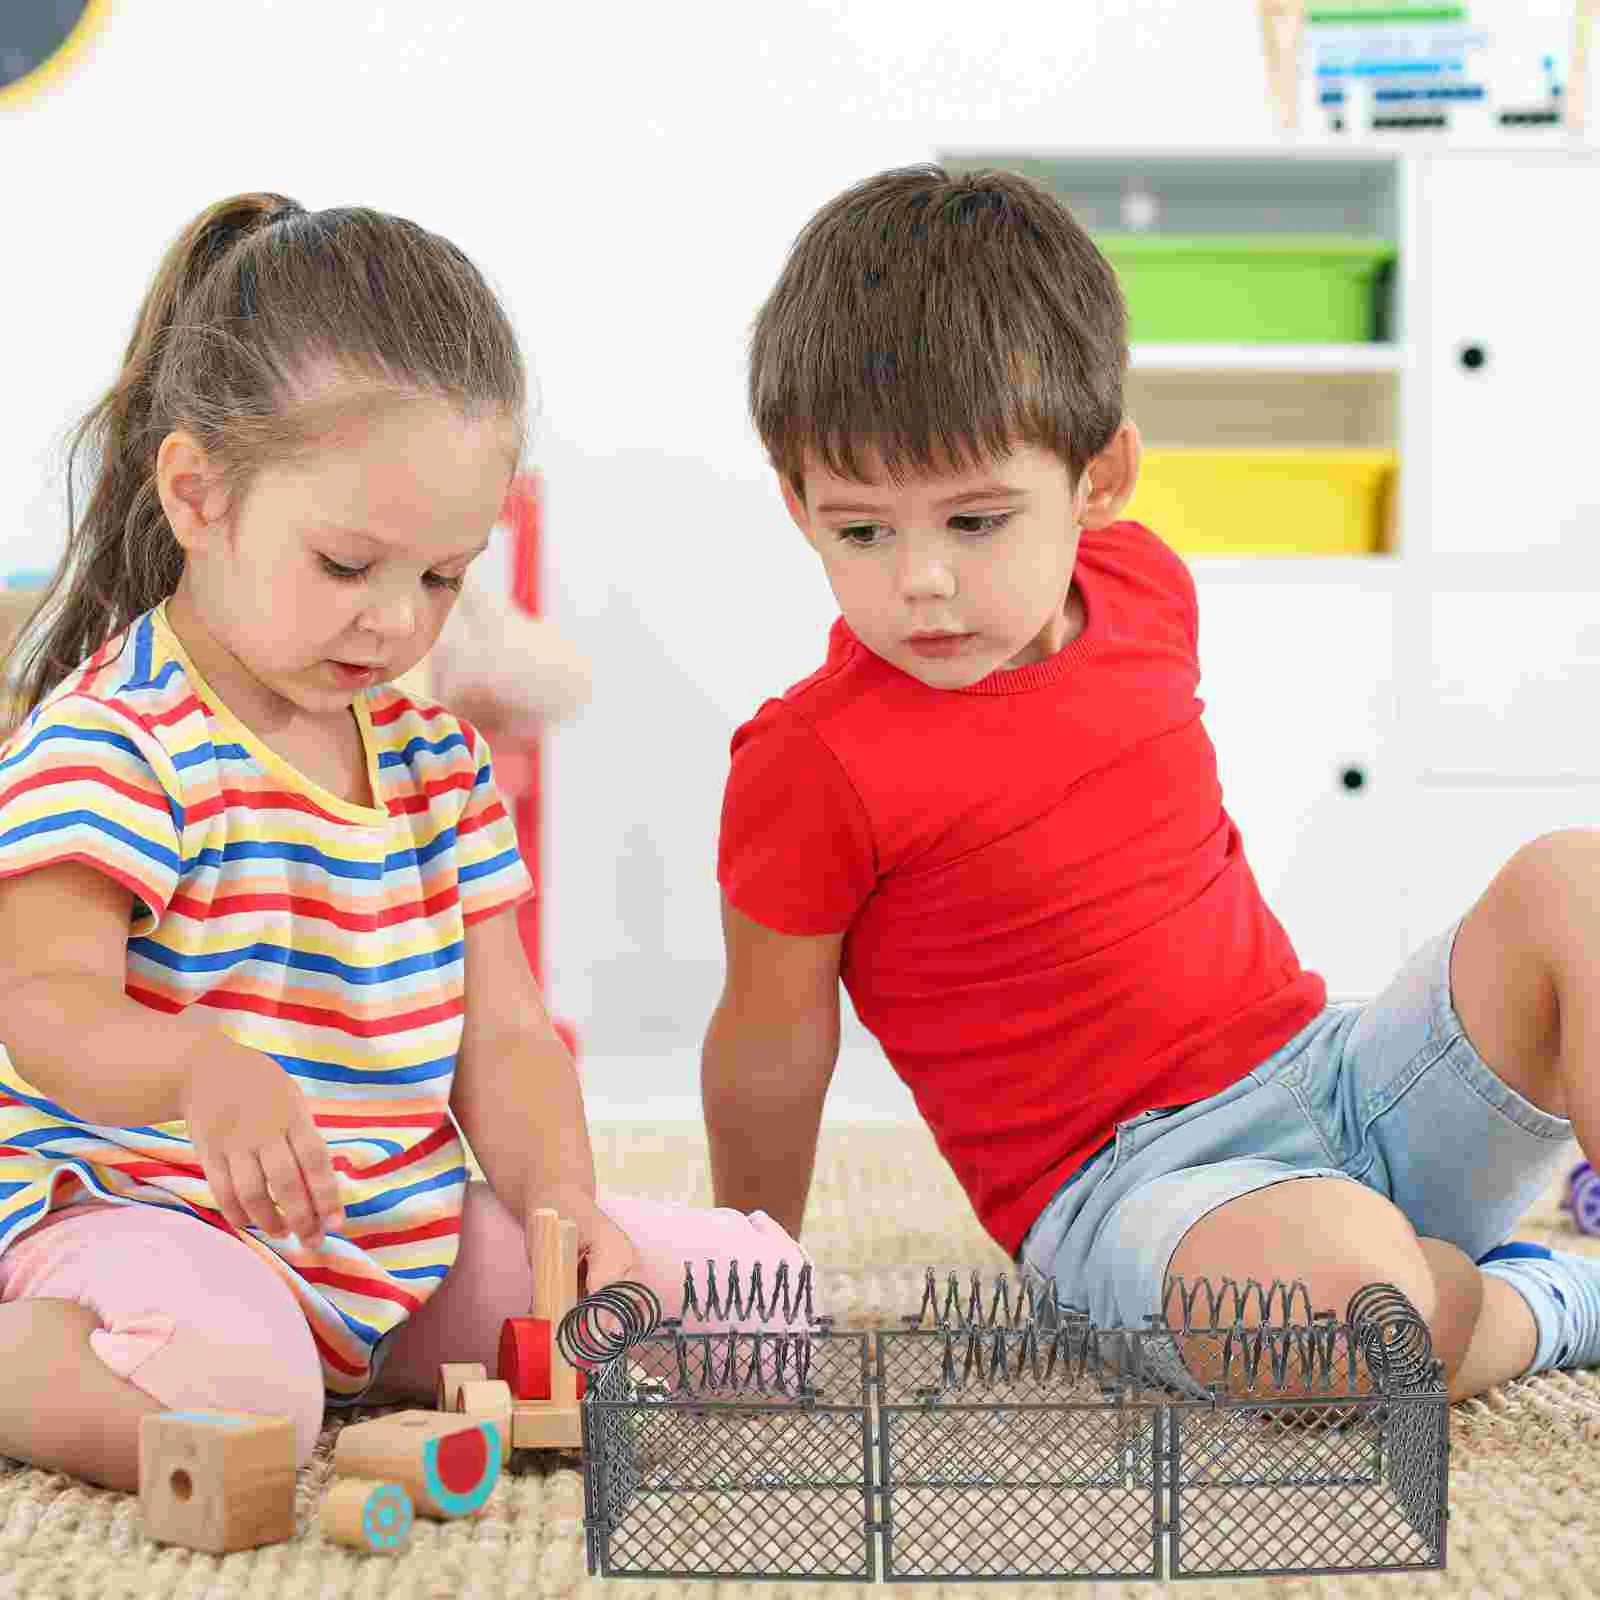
x,y
1354,779
1474,357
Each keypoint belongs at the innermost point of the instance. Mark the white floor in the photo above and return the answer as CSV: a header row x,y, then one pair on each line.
x,y
664,1086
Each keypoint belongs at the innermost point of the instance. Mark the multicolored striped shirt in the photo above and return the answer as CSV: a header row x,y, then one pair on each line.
x,y
327,934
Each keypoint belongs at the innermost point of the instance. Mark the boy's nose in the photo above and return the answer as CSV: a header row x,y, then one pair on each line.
x,y
927,580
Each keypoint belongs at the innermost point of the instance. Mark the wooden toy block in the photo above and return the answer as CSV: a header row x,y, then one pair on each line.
x,y
452,1374
216,1480
546,1427
489,1401
447,1463
563,1375
552,1292
367,1515
544,1385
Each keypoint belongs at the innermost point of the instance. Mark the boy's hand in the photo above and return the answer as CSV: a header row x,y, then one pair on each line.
x,y
605,1253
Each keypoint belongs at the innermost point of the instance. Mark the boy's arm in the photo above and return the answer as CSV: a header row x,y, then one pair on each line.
x,y
769,1055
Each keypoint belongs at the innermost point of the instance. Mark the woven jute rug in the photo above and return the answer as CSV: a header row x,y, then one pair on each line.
x,y
1524,1470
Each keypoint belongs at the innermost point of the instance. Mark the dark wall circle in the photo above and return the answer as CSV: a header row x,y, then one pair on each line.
x,y
40,40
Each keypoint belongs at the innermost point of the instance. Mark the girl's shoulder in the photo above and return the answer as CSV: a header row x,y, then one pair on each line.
x,y
129,680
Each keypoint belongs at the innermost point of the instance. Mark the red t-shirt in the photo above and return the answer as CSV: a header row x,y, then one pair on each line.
x,y
1049,921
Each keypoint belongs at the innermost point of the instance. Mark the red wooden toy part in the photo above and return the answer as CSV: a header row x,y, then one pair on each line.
x,y
525,1352
462,1461
523,514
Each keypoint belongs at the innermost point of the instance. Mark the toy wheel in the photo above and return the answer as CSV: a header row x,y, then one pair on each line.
x,y
1572,1183
1586,1202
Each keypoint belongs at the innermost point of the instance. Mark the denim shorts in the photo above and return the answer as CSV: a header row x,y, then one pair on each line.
x,y
1388,1092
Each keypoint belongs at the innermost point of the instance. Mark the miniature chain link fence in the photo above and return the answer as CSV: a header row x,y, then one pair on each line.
x,y
997,1435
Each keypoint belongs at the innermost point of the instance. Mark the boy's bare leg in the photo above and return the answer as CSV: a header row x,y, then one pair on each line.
x,y
1481,1328
1503,1342
1460,1291
61,1407
1333,1235
1525,978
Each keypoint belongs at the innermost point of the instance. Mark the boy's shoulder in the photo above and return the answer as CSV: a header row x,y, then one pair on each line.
x,y
1139,560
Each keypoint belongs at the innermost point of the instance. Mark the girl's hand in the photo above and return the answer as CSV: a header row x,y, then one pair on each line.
x,y
605,1252
263,1156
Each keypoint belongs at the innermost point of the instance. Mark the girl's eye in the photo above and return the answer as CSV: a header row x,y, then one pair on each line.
x,y
344,574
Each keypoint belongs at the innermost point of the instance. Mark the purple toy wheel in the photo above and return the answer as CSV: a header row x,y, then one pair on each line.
x,y
1579,1171
1586,1202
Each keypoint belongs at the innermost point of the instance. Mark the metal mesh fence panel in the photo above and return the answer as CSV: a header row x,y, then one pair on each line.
x,y
992,1437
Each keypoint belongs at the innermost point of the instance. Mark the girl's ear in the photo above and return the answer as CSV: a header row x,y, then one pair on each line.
x,y
192,491
1111,477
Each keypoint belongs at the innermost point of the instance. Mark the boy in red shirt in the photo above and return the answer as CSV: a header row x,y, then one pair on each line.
x,y
993,813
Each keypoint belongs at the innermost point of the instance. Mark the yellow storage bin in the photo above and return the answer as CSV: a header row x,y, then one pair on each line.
x,y
1267,502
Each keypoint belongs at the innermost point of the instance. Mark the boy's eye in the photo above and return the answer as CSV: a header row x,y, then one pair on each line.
x,y
437,580
863,535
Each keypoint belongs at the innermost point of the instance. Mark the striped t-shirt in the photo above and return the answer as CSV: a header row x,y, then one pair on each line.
x,y
327,934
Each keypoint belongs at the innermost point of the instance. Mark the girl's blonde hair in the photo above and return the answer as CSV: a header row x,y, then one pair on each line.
x,y
935,319
250,300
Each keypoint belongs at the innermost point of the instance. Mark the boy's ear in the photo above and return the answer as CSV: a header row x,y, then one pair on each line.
x,y
191,489
1111,478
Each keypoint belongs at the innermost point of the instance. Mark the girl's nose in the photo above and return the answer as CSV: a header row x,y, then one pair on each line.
x,y
392,617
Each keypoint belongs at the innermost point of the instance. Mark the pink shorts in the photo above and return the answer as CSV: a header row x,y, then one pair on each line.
x,y
199,1322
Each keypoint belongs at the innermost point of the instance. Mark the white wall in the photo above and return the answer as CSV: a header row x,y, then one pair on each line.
x,y
631,176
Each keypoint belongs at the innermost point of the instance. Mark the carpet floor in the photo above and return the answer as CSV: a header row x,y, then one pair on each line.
x,y
1524,1468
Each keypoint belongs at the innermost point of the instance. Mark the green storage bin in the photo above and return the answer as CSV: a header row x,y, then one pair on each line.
x,y
1249,288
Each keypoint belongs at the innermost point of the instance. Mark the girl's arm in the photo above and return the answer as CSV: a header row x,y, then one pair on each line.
x,y
65,1021
72,1032
517,1099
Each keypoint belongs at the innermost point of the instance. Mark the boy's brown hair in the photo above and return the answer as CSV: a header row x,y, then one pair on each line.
x,y
936,320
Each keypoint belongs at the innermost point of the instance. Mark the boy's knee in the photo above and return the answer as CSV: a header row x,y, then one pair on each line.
x,y
1282,1232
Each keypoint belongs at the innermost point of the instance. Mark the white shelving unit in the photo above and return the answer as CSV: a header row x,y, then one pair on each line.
x,y
1308,359
1391,727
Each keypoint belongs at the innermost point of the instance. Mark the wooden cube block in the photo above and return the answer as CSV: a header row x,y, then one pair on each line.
x,y
366,1515
447,1464
216,1480
452,1374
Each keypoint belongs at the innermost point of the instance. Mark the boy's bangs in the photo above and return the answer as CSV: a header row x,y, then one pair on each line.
x,y
949,418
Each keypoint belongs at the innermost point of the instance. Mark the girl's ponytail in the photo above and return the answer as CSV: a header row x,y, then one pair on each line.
x,y
120,557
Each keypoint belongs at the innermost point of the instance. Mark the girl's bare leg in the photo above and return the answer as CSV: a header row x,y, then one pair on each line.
x,y
61,1407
